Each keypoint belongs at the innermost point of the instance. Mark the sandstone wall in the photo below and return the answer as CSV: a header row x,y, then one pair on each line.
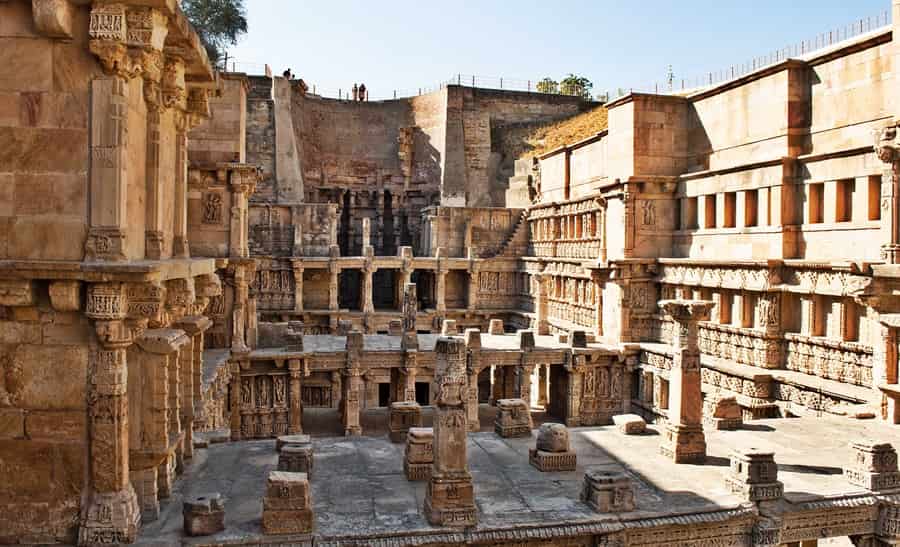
x,y
44,111
43,434
222,137
261,135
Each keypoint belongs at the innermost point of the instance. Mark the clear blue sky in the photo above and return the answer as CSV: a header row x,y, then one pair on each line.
x,y
407,44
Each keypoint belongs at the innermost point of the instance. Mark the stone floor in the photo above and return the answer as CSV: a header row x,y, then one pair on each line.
x,y
359,489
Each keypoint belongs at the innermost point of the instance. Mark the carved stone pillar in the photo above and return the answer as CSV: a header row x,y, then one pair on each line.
x,y
298,286
450,497
242,271
154,238
684,441
497,383
543,385
350,401
574,388
191,367
296,408
884,364
110,513
180,246
366,234
368,270
440,291
541,305
473,368
769,312
235,400
472,303
888,150
242,183
333,271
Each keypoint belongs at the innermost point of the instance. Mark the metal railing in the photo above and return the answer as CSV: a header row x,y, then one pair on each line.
x,y
802,48
673,84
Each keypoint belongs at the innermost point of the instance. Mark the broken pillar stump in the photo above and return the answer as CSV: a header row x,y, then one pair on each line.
x,y
724,414
204,515
419,453
608,492
874,466
287,508
296,458
513,418
630,424
552,451
404,415
754,475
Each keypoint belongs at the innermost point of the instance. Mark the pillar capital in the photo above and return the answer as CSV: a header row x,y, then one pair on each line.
x,y
687,314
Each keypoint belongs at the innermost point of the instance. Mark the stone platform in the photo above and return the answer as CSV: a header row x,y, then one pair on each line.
x,y
360,490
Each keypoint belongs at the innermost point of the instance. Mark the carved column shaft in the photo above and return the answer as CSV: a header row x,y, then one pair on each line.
x,y
235,399
450,498
684,441
296,407
154,237
440,291
111,513
298,287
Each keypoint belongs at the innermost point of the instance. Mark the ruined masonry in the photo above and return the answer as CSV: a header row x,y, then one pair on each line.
x,y
234,310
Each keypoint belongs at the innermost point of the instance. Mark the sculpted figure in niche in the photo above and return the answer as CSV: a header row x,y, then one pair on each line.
x,y
262,391
279,390
212,208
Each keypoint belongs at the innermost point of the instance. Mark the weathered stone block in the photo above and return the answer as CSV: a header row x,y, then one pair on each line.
x,y
684,444
496,326
17,292
874,466
553,438
724,414
12,423
451,502
630,424
552,461
284,440
296,459
419,453
526,340
204,515
608,492
513,418
754,475
449,328
404,415
395,327
286,507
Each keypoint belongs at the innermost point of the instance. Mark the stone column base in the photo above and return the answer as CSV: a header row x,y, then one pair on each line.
x,y
144,482
353,431
111,518
450,502
552,461
684,444
417,471
180,247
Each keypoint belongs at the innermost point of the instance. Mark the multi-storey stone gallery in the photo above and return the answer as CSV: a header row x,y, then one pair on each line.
x,y
233,311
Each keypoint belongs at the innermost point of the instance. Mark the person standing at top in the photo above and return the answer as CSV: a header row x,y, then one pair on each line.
x,y
355,92
362,93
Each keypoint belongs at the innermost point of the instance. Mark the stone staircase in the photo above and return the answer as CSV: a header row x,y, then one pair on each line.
x,y
517,242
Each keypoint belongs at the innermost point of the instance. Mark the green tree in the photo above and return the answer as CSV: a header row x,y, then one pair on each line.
x,y
218,22
548,85
578,86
